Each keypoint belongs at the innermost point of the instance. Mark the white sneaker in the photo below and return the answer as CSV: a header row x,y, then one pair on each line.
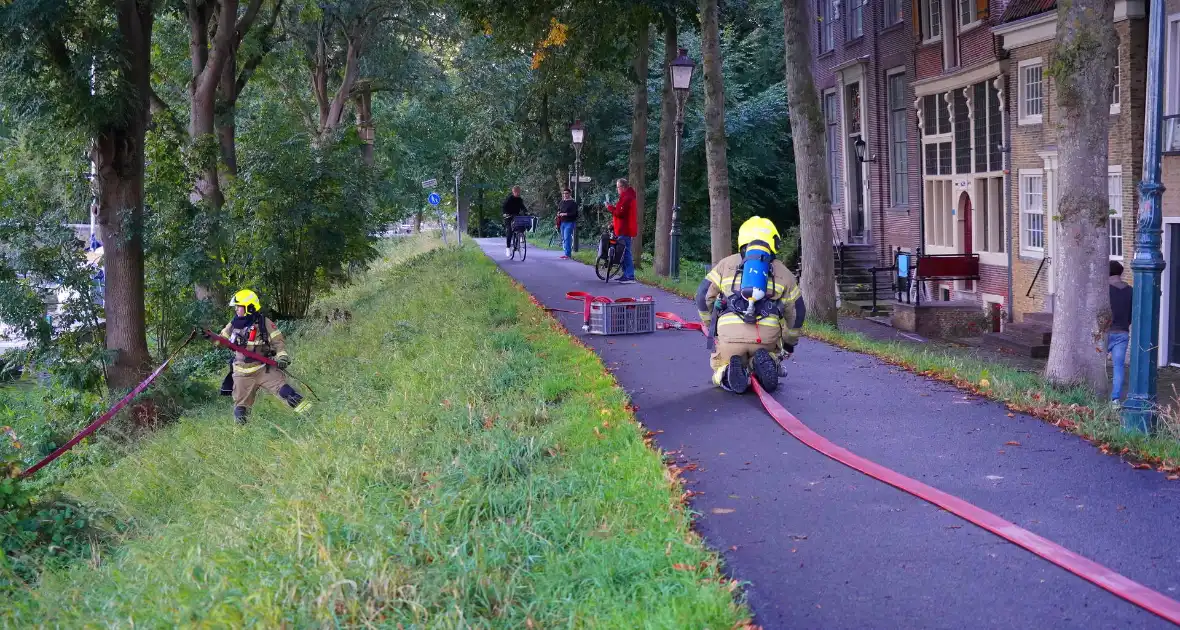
x,y
508,252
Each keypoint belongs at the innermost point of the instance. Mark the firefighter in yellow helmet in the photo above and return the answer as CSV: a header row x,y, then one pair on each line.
x,y
257,333
753,309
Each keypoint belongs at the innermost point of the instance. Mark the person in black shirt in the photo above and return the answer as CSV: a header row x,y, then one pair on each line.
x,y
513,207
567,220
1120,327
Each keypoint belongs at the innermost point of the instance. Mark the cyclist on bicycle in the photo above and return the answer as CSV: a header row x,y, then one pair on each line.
x,y
512,207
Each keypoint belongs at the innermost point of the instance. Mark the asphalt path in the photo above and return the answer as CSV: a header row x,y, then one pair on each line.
x,y
824,546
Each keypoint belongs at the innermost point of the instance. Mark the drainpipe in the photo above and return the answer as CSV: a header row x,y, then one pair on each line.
x,y
1007,151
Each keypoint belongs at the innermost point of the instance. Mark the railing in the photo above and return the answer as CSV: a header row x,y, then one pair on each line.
x,y
945,267
1041,266
1171,139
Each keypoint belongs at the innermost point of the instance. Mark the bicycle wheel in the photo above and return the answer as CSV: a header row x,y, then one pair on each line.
x,y
602,269
515,246
524,247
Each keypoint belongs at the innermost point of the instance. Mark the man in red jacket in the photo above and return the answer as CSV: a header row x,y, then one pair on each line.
x,y
625,226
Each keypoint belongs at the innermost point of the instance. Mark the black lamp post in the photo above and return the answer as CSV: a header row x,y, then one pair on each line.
x,y
681,69
578,134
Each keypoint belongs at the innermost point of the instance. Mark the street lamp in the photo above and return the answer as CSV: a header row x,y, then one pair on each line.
x,y
1139,411
681,69
578,134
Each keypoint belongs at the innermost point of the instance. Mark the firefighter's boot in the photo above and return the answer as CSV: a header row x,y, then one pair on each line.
x,y
765,370
293,399
733,377
241,414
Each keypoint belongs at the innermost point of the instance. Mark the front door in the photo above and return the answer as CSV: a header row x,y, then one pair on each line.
x,y
857,223
965,208
1173,278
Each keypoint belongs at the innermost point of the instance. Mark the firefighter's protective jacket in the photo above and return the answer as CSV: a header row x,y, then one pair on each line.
x,y
266,340
725,280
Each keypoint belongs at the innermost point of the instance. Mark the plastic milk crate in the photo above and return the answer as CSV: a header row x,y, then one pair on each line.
x,y
623,318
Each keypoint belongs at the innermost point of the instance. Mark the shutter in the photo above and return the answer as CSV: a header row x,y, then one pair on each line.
x,y
981,12
916,8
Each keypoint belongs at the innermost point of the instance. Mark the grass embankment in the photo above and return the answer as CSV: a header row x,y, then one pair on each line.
x,y
1076,410
469,466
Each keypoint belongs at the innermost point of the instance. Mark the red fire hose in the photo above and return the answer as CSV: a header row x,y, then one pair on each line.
x,y
104,418
1080,566
222,341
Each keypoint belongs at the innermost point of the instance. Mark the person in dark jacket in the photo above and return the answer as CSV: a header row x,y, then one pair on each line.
x,y
1120,327
567,220
513,207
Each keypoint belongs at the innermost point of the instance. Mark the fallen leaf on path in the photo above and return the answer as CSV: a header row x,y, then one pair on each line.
x,y
798,537
723,510
1173,477
683,567
1141,466
1012,443
733,548
1011,415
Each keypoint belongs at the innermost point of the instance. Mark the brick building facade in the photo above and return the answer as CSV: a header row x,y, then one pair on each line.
x,y
864,71
1170,303
1027,32
960,94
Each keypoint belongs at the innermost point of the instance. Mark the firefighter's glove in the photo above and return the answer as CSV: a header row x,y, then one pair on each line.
x,y
283,362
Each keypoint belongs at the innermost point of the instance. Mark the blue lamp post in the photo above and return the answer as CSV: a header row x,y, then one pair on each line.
x,y
1139,411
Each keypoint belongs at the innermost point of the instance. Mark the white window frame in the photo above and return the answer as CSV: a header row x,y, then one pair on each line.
x,y
1172,66
1024,175
827,26
926,7
966,26
854,6
832,154
889,76
1023,117
1116,94
1117,213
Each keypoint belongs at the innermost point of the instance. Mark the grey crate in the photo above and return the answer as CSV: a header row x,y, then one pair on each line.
x,y
622,318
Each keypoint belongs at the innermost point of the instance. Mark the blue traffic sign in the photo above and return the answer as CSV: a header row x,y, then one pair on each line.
x,y
434,199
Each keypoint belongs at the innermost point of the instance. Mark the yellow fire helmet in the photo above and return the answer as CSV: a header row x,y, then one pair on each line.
x,y
248,299
758,230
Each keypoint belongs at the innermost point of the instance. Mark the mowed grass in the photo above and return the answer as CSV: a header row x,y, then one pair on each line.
x,y
469,466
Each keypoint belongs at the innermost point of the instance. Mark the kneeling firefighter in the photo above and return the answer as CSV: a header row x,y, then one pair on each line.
x,y
752,307
257,333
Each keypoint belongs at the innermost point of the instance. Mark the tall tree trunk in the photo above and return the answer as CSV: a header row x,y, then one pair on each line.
x,y
118,154
364,124
1082,68
208,63
227,106
232,82
637,171
811,171
720,229
667,151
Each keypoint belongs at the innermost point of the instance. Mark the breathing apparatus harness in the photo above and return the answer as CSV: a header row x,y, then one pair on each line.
x,y
747,299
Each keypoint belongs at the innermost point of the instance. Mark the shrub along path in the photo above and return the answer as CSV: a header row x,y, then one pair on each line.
x,y
470,466
824,546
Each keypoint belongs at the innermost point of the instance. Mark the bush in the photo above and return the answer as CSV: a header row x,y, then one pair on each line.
x,y
36,531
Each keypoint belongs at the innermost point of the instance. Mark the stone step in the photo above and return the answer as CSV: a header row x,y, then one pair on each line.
x,y
1034,332
1009,343
1039,318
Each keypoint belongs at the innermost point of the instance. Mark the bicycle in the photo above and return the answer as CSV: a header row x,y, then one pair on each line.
x,y
520,244
610,257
